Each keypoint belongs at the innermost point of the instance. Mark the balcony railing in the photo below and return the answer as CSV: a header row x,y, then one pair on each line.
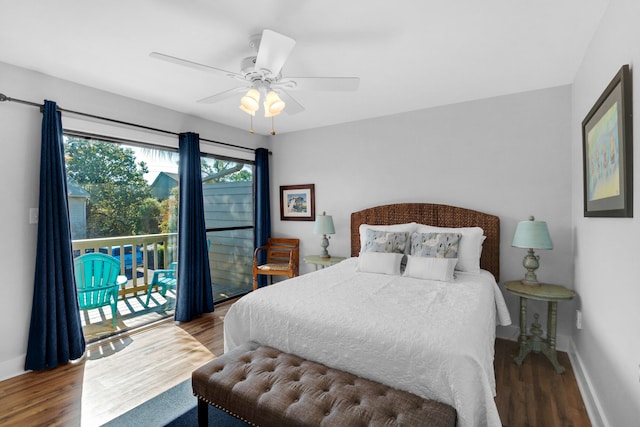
x,y
137,254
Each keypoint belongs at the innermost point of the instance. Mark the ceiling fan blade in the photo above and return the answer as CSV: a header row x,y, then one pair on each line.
x,y
191,64
273,52
291,105
336,84
223,95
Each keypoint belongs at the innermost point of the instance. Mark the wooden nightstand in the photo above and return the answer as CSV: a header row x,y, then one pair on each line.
x,y
322,262
534,342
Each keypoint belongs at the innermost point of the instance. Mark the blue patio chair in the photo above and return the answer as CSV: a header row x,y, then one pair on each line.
x,y
98,281
164,279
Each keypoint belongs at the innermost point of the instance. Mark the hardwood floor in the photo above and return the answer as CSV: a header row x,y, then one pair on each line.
x,y
118,375
114,376
534,394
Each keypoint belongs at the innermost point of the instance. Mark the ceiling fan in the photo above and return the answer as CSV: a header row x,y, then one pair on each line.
x,y
261,76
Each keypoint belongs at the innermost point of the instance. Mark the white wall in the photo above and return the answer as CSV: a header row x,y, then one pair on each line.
x,y
508,156
606,250
19,173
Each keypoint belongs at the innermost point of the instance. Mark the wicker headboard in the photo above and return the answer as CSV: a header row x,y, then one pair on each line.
x,y
439,216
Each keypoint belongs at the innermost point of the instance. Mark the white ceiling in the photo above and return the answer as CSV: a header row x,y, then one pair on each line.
x,y
409,54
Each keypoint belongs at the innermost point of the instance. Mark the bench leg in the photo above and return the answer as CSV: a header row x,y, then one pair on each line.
x,y
203,413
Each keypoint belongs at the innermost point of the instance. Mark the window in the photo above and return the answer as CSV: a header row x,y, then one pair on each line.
x,y
123,200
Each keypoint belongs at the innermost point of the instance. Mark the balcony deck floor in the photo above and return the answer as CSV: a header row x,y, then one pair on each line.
x,y
132,313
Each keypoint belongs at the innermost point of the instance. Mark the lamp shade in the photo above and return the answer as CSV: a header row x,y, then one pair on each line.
x,y
273,105
532,234
249,103
324,224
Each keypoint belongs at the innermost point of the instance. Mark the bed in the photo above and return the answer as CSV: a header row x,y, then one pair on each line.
x,y
433,338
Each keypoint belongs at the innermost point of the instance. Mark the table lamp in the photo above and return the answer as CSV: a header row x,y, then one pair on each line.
x,y
324,226
532,235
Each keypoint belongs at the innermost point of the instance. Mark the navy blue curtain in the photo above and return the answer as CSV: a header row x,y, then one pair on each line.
x,y
55,333
195,295
262,206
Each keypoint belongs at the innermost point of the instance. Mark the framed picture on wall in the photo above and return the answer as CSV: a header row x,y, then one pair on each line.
x,y
607,151
297,202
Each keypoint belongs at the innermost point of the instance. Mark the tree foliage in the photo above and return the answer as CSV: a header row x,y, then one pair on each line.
x,y
169,220
211,167
149,216
120,202
116,184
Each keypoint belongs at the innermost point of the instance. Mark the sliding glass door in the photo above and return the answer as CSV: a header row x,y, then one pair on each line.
x,y
227,187
123,201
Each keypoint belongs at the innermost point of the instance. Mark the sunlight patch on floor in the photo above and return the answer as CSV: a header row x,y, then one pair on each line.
x,y
132,313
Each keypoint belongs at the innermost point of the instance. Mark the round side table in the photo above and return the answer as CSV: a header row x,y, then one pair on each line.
x,y
322,262
534,342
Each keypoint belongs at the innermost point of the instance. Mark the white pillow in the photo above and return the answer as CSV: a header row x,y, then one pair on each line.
x,y
469,248
380,262
408,227
430,268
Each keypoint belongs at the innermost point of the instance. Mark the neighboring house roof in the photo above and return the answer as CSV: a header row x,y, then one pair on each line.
x,y
165,181
162,185
166,175
75,190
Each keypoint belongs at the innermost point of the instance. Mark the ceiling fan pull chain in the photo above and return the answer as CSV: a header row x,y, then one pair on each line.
x,y
251,124
273,132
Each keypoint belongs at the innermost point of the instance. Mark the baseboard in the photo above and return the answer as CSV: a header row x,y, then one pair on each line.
x,y
564,343
510,332
594,409
12,367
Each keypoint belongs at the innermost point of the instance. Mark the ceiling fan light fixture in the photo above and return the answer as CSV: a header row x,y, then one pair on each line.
x,y
250,102
246,110
273,105
260,71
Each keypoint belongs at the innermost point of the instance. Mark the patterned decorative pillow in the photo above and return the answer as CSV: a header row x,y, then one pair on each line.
x,y
435,245
386,241
469,249
408,227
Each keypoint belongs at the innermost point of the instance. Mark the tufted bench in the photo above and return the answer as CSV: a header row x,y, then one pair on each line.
x,y
266,387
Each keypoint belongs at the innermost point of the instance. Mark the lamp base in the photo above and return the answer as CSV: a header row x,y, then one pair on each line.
x,y
531,262
324,254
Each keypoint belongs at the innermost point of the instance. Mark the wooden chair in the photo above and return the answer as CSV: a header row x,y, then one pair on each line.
x,y
282,259
98,281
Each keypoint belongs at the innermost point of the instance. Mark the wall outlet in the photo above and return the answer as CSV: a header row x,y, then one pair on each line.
x,y
578,319
33,215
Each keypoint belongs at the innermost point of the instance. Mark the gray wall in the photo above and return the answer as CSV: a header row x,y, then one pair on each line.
x,y
606,250
508,156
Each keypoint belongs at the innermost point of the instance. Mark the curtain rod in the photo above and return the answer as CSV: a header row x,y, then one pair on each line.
x,y
4,97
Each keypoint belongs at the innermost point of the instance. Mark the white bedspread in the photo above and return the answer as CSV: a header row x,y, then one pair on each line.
x,y
433,339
